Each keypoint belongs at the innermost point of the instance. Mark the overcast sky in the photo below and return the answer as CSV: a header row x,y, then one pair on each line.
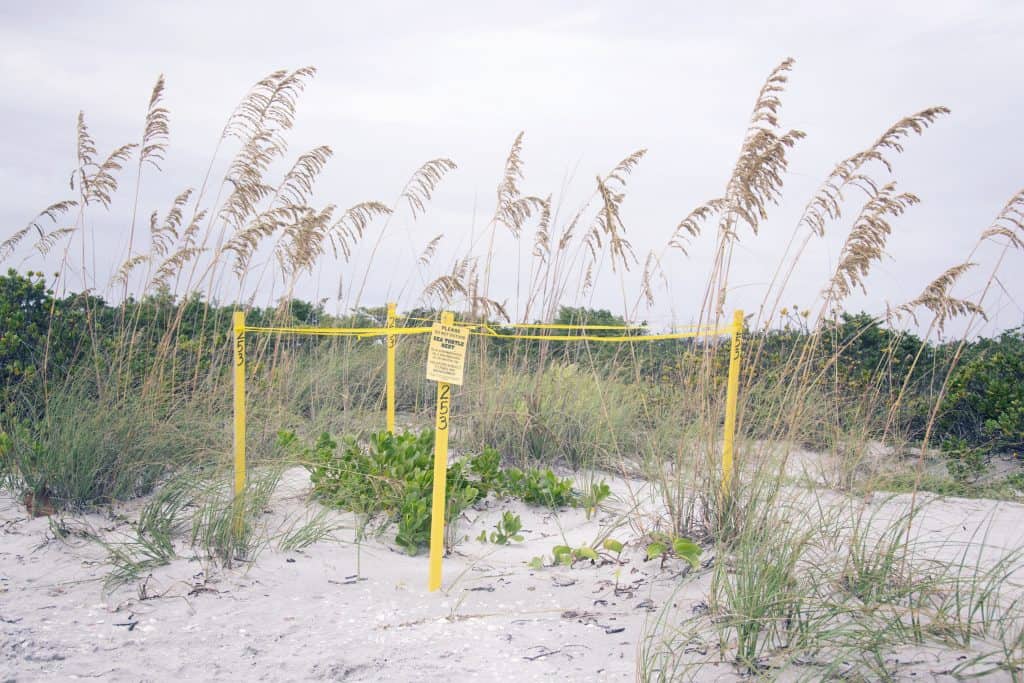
x,y
588,83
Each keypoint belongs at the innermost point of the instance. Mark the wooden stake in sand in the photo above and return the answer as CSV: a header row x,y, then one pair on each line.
x,y
389,422
732,393
238,320
446,358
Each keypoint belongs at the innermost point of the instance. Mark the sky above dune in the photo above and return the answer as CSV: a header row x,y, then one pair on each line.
x,y
588,84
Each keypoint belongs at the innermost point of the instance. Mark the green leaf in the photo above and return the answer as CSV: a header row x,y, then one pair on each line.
x,y
536,563
612,545
684,546
688,550
655,550
587,552
562,554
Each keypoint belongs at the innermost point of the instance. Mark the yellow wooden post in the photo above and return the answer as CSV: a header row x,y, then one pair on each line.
x,y
441,423
390,380
732,393
238,320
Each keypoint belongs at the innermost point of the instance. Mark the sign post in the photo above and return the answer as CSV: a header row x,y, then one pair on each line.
x,y
238,323
446,359
390,380
732,392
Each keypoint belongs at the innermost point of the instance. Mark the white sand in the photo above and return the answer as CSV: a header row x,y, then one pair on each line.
x,y
304,615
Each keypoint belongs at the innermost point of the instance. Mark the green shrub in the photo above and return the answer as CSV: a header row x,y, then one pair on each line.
x,y
533,486
25,311
505,531
393,476
966,463
985,401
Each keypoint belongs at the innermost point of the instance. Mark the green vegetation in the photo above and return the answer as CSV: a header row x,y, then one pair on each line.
x,y
569,555
557,413
122,443
505,531
985,402
662,546
393,477
218,525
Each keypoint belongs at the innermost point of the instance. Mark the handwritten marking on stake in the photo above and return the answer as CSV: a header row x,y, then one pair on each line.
x,y
446,355
240,348
444,393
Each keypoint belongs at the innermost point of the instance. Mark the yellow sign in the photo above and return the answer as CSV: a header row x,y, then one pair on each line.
x,y
446,356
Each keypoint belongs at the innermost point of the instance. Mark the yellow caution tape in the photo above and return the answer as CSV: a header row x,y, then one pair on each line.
x,y
481,330
342,331
543,326
710,332
562,326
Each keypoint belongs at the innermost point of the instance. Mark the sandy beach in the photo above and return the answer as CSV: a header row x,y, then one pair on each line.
x,y
315,615
335,611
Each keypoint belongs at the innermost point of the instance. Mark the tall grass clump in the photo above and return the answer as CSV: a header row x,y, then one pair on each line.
x,y
561,413
227,525
153,543
83,451
828,588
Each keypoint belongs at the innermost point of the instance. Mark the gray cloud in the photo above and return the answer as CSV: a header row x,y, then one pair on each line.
x,y
404,83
